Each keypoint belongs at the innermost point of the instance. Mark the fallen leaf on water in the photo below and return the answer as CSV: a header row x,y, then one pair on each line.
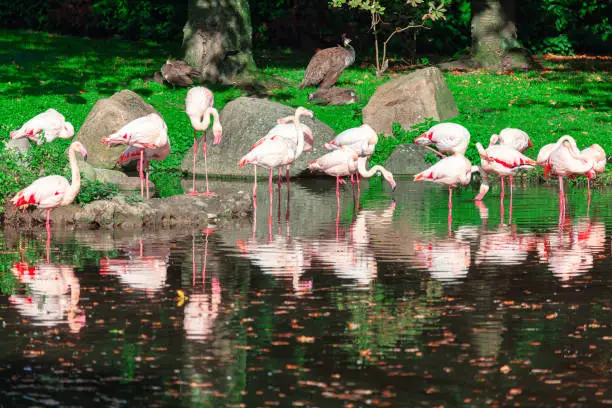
x,y
505,369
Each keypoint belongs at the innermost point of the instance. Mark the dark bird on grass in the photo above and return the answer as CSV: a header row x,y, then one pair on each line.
x,y
333,96
327,65
179,73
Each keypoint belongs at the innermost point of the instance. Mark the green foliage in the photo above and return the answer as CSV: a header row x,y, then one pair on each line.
x,y
565,26
391,17
92,191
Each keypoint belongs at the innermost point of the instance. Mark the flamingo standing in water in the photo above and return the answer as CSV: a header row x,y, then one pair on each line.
x,y
598,154
276,151
512,137
449,138
286,130
362,139
53,191
148,135
450,171
50,122
199,108
564,159
502,160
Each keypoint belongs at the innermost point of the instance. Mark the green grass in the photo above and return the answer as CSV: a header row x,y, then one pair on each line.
x,y
70,74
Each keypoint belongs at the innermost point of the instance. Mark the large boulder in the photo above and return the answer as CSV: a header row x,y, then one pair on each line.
x,y
246,120
409,100
106,117
407,159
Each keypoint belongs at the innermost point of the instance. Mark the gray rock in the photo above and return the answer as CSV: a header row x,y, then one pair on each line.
x,y
155,213
244,121
87,170
407,159
106,117
111,176
409,100
21,146
130,184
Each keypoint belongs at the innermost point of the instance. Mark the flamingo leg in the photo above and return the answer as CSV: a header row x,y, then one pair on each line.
x,y
270,183
270,210
338,190
205,148
450,197
358,177
280,177
254,186
205,255
503,192
450,209
589,195
287,175
511,186
195,151
140,172
48,227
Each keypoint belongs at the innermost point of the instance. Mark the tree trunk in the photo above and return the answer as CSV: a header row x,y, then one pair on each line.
x,y
494,40
217,38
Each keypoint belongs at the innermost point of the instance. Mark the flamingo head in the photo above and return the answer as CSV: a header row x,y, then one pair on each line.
x,y
529,143
217,132
68,130
484,188
78,146
390,180
425,139
14,134
300,111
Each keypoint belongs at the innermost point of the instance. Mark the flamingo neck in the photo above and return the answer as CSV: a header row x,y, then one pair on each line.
x,y
361,167
300,135
75,185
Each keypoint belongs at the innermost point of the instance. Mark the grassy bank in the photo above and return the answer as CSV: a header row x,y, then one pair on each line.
x,y
71,74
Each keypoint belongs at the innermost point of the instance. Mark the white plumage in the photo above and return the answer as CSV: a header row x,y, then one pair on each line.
x,y
48,126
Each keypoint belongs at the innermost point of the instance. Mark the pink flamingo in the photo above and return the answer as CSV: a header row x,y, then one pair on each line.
x,y
199,107
145,133
51,123
564,159
286,130
502,160
449,171
449,138
598,155
53,191
512,137
362,139
276,151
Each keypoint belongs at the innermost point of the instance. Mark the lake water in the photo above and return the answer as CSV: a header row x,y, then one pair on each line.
x,y
387,302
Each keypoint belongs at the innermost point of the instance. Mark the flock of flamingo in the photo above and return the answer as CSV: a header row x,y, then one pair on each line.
x,y
146,139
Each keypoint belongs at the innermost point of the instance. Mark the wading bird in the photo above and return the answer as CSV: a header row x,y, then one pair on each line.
x,y
326,65
53,191
148,134
449,138
512,137
48,126
199,107
276,151
502,160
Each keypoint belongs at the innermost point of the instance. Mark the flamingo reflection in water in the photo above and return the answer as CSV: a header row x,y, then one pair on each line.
x,y
351,257
202,309
142,272
53,296
571,251
503,246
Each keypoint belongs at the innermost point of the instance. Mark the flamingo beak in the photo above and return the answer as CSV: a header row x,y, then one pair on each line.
x,y
423,139
84,153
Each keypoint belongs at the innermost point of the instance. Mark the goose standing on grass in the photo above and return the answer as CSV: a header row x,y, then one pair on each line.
x,y
53,191
326,65
276,151
179,73
149,136
515,138
450,138
199,108
47,126
502,160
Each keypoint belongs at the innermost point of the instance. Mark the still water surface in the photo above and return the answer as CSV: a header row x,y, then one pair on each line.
x,y
387,302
